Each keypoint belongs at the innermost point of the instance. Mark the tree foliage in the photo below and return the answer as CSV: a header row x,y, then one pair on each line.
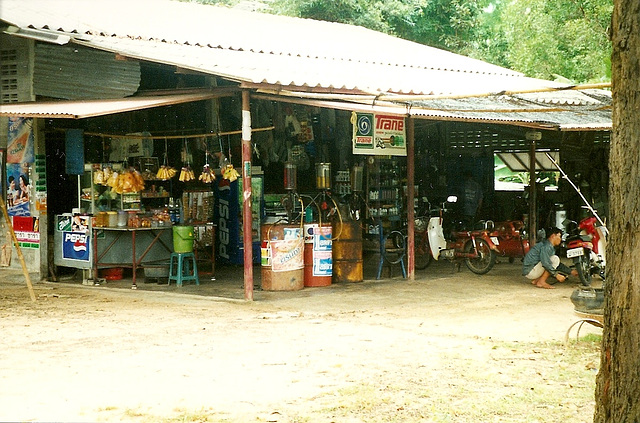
x,y
550,39
447,24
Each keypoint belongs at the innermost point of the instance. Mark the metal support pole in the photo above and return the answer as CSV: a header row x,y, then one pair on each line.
x,y
410,198
246,197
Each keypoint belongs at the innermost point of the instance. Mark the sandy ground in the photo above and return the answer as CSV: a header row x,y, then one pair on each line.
x,y
109,353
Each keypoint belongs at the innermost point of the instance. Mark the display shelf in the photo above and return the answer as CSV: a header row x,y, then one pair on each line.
x,y
152,194
385,188
130,201
96,197
198,206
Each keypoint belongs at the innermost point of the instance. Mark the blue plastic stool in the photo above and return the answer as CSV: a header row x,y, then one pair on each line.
x,y
398,253
182,268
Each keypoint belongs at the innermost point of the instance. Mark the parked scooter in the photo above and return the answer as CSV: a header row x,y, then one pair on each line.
x,y
474,247
510,238
586,246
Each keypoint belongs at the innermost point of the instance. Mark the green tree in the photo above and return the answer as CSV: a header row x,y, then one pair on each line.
x,y
446,24
549,39
557,38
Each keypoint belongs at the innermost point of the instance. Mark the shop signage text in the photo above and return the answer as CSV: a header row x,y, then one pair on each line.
x,y
376,134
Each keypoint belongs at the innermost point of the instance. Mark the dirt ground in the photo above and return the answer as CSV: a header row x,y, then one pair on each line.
x,y
447,347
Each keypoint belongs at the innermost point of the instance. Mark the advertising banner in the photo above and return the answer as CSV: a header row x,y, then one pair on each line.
x,y
20,156
20,140
376,134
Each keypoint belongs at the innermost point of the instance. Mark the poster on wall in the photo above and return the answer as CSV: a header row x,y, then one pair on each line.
x,y
18,189
20,155
378,134
27,232
20,144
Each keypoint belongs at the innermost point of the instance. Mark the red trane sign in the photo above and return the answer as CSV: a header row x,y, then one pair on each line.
x,y
389,123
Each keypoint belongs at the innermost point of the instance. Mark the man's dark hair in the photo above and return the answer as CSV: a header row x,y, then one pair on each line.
x,y
553,230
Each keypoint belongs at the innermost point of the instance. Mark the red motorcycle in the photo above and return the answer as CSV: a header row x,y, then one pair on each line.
x,y
586,246
510,238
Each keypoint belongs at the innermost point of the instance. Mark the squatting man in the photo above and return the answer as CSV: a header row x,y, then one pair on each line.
x,y
541,261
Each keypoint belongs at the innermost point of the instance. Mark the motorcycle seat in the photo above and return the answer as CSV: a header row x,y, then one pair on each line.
x,y
580,237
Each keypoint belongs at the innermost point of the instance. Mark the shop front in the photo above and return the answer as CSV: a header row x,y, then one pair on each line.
x,y
115,201
233,136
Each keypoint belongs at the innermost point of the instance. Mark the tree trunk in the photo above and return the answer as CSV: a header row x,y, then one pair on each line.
x,y
618,382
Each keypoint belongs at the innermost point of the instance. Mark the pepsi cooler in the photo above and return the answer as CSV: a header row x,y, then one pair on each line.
x,y
72,239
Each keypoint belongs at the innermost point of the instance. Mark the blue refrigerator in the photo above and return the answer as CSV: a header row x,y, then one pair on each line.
x,y
228,217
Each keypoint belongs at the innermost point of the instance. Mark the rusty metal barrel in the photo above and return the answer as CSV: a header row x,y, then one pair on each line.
x,y
317,255
282,257
347,251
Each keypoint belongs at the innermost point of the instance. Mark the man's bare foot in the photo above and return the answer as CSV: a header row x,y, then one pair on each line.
x,y
544,285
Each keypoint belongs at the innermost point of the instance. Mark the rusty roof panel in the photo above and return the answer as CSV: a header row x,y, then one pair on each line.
x,y
72,72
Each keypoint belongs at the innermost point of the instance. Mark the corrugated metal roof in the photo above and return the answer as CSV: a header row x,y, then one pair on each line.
x,y
569,111
285,70
277,51
220,27
73,73
257,47
91,108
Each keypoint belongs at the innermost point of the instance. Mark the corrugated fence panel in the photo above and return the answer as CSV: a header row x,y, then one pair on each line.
x,y
75,73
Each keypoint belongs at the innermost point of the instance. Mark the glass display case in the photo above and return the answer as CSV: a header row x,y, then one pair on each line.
x,y
97,196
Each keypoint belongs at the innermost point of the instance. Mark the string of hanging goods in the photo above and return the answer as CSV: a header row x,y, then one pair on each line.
x,y
186,173
165,172
226,168
207,176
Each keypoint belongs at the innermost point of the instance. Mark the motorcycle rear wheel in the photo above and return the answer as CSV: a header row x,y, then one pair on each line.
x,y
583,266
485,260
422,252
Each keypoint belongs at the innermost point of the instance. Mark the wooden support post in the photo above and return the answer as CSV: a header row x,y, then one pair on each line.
x,y
246,196
18,251
410,198
533,201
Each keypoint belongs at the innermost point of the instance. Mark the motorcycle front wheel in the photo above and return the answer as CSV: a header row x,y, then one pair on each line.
x,y
485,260
422,252
583,266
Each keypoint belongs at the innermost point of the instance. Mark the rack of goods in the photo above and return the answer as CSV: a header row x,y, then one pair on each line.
x,y
386,191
